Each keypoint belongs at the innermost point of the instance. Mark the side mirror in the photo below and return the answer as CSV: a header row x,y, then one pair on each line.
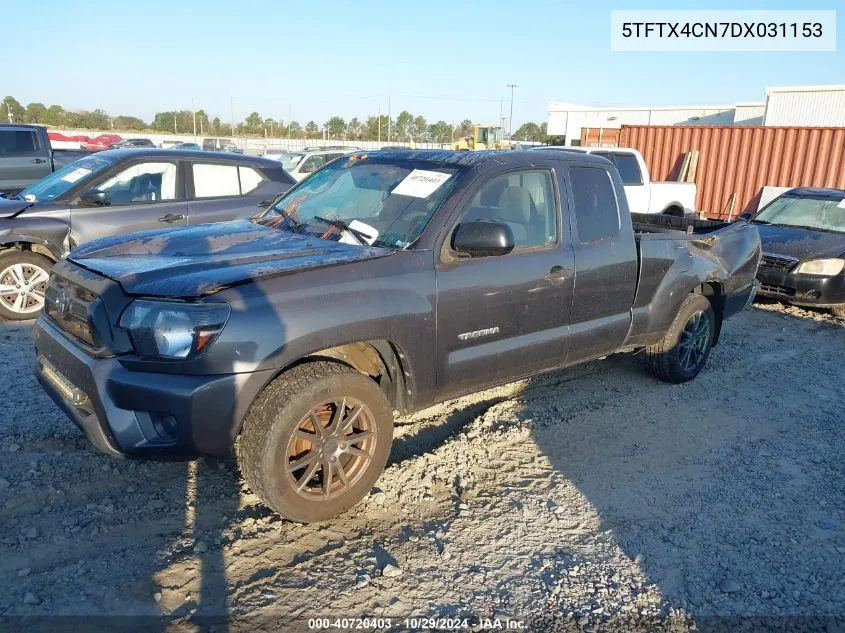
x,y
746,215
306,169
483,238
93,198
264,204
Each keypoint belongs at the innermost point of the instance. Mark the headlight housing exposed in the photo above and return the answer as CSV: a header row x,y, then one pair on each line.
x,y
825,267
171,330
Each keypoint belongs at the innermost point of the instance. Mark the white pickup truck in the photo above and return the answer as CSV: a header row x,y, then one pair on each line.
x,y
644,196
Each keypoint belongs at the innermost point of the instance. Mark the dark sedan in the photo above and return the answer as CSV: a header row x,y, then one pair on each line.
x,y
121,191
803,237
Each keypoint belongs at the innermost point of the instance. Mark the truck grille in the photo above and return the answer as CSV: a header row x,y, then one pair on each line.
x,y
68,305
777,290
777,262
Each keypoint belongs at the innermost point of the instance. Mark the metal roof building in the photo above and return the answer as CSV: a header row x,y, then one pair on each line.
x,y
816,106
811,106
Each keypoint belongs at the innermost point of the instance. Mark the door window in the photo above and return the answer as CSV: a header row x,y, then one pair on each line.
x,y
596,210
142,182
523,200
215,181
18,142
312,163
224,181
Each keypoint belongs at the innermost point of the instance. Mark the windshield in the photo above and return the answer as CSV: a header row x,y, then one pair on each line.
x,y
57,183
289,160
358,201
815,213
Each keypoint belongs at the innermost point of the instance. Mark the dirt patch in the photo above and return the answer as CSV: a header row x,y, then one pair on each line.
x,y
590,495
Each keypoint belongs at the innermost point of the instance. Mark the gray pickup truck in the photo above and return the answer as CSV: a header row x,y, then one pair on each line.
x,y
386,281
26,156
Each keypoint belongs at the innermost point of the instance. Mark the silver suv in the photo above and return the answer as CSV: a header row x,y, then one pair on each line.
x,y
300,163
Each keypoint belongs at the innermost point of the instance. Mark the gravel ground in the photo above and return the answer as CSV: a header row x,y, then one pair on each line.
x,y
593,497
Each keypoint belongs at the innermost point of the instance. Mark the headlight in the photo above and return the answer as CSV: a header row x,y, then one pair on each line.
x,y
821,267
172,330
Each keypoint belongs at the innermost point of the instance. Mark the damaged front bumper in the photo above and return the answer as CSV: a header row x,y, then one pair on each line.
x,y
802,290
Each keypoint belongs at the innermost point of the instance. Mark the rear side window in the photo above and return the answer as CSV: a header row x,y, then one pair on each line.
x,y
18,142
596,211
250,179
629,169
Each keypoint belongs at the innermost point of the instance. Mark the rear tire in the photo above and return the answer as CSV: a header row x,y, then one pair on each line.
x,y
682,353
316,440
23,281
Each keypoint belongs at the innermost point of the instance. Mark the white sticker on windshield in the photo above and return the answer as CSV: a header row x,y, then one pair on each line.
x,y
76,174
841,204
420,183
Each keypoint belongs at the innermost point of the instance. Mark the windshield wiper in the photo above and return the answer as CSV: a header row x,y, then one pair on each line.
x,y
806,227
340,224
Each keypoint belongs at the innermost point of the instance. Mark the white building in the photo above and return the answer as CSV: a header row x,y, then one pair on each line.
x,y
793,106
567,119
814,106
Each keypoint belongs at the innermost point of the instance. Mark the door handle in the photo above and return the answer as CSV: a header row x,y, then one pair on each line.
x,y
172,217
556,273
39,160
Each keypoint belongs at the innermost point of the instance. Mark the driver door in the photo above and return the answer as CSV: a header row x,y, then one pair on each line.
x,y
147,194
503,317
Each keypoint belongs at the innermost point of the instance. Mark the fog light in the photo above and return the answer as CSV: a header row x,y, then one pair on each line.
x,y
165,426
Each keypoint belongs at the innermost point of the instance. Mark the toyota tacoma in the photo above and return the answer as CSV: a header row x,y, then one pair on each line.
x,y
385,282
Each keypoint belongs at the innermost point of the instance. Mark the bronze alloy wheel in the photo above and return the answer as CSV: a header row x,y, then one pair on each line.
x,y
331,449
315,440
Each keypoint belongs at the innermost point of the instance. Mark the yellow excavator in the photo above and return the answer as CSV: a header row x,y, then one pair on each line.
x,y
483,137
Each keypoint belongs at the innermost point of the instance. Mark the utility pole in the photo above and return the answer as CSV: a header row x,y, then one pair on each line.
x,y
194,113
289,115
232,112
379,123
388,117
510,123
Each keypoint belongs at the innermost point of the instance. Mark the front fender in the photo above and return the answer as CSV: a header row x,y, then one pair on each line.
x,y
56,244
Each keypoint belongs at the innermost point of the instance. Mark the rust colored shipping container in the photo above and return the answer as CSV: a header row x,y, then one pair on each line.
x,y
741,160
600,136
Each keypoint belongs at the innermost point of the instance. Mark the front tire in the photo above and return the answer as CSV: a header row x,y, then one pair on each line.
x,y
682,353
316,440
23,281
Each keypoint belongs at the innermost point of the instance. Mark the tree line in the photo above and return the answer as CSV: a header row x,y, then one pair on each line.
x,y
405,127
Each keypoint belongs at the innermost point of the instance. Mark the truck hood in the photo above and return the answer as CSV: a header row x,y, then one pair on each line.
x,y
800,243
202,259
11,206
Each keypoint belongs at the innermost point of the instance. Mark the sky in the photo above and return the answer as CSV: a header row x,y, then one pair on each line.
x,y
442,59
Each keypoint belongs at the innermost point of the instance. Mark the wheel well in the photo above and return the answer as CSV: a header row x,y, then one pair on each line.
x,y
381,360
715,294
30,247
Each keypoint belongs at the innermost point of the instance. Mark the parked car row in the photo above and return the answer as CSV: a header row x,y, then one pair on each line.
x,y
300,164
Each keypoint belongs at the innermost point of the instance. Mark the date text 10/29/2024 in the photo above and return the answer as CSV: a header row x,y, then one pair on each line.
x,y
416,624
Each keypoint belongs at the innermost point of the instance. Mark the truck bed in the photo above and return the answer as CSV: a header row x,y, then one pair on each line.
x,y
656,223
